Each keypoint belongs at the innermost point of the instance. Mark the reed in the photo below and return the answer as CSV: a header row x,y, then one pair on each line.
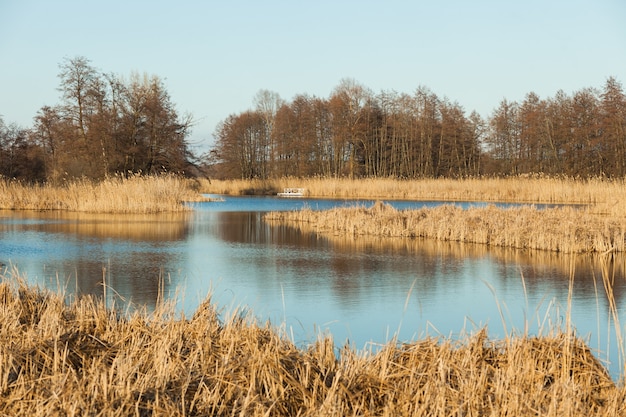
x,y
137,194
609,196
77,357
560,229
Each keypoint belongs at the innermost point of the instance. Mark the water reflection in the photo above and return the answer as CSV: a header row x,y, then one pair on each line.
x,y
367,255
79,251
360,289
372,285
138,227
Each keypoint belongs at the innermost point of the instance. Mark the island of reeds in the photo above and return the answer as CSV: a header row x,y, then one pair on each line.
x,y
561,229
587,216
68,356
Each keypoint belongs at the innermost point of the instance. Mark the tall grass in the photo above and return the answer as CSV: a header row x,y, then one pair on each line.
x,y
563,229
609,196
77,357
137,194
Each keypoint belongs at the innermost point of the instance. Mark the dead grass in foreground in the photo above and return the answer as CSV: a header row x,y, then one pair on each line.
x,y
561,229
152,194
80,358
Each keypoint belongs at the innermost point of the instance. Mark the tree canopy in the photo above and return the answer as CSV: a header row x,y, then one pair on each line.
x,y
357,133
106,124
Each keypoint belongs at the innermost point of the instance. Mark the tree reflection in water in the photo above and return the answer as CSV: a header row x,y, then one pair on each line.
x,y
360,289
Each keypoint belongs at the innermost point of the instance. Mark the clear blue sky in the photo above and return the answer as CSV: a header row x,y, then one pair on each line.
x,y
216,55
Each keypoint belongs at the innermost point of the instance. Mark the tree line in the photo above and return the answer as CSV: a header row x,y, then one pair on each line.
x,y
356,133
105,125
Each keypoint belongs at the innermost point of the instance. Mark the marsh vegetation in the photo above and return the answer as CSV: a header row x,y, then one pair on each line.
x,y
561,229
607,196
135,194
68,355
61,356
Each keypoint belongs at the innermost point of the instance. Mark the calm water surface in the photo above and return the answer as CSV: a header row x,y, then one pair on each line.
x,y
364,292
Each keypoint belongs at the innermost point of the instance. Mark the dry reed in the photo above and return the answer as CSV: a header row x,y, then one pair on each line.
x,y
609,196
136,194
71,358
561,229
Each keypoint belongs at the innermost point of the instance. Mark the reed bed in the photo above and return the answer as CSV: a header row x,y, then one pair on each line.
x,y
560,229
78,357
609,196
137,194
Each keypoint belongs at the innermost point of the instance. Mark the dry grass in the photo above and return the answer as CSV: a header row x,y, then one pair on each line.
x,y
115,195
564,229
609,196
80,358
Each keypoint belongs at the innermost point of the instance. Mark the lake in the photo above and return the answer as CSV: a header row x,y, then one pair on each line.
x,y
363,291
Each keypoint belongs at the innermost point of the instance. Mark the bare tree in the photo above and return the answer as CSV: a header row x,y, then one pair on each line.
x,y
239,140
613,108
19,157
267,104
347,103
77,76
504,137
585,153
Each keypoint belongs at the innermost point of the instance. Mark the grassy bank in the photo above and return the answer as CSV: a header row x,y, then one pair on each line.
x,y
564,229
114,195
80,358
609,196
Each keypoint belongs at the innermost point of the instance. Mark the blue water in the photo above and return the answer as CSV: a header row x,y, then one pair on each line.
x,y
363,292
268,203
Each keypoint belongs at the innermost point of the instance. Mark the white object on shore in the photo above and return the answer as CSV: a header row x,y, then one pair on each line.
x,y
292,192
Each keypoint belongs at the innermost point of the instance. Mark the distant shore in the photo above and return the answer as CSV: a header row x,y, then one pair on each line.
x,y
136,194
604,195
599,225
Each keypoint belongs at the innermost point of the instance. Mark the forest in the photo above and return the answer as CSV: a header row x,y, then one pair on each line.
x,y
106,124
356,133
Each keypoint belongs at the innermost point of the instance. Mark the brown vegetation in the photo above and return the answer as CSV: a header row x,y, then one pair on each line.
x,y
104,125
360,134
598,226
564,229
80,358
136,194
606,196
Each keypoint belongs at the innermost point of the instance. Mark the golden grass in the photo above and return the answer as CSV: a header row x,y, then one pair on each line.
x,y
561,229
136,194
532,189
80,358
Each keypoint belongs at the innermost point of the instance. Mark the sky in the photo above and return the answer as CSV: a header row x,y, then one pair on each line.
x,y
214,56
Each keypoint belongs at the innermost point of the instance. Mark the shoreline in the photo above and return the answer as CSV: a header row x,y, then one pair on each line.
x,y
136,194
605,197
